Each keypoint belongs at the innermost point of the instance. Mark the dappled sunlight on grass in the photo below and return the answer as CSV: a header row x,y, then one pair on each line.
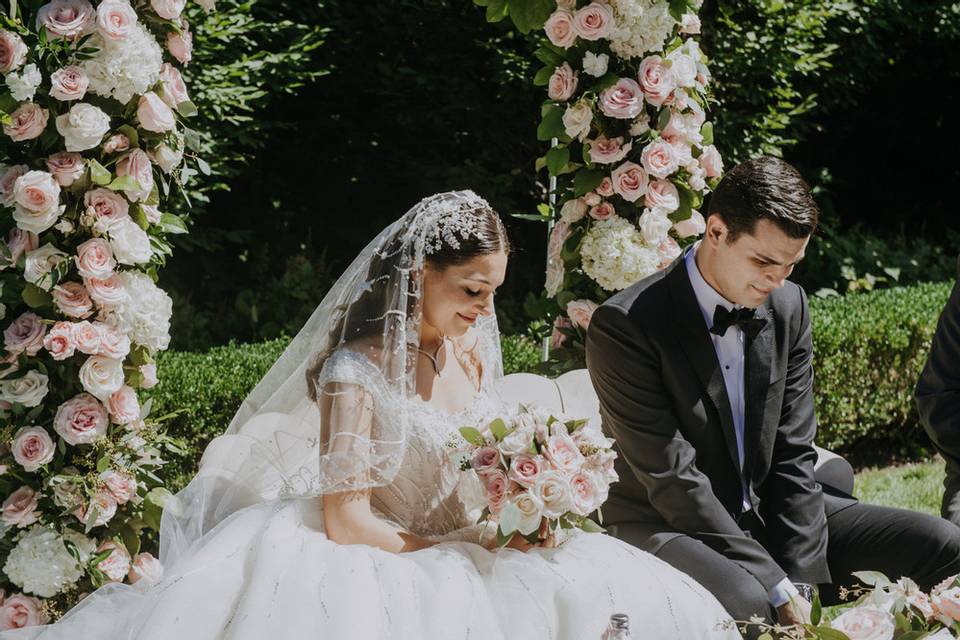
x,y
917,486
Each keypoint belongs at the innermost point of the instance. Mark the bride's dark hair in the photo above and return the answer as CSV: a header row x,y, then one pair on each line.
x,y
357,319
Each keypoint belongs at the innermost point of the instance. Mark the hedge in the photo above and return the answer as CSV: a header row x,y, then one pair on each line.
x,y
868,351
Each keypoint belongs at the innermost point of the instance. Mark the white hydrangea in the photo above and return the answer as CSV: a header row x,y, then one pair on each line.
x,y
40,563
124,68
23,85
145,313
614,254
642,26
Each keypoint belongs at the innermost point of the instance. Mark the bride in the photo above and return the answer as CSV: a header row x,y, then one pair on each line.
x,y
329,508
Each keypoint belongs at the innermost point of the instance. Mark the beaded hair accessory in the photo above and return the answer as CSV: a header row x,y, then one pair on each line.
x,y
446,219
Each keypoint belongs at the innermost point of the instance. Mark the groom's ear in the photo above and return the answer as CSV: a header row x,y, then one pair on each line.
x,y
716,230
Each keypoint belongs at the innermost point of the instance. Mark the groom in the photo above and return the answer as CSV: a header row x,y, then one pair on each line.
x,y
705,379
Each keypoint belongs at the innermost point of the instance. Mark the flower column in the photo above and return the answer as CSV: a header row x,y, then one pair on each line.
x,y
94,137
627,88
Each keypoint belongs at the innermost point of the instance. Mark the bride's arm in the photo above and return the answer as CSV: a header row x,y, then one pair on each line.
x,y
348,519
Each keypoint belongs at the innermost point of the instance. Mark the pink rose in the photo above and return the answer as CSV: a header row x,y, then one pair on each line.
x,y
692,226
690,23
623,100
107,204
168,9
630,181
946,604
32,448
180,45
137,165
68,19
124,407
81,420
59,341
562,83
560,30
608,150
603,211
656,79
36,191
114,342
711,161
19,611
69,83
66,167
498,487
20,508
594,21
584,490
115,19
154,114
580,312
27,122
659,159
72,300
145,570
865,623
87,337
117,564
149,373
105,505
107,293
562,452
662,196
592,199
485,460
13,51
606,187
116,142
20,241
122,486
525,468
174,89
8,180
669,251
557,338
25,334
95,259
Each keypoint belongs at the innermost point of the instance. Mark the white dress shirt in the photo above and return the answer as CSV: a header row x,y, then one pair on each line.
x,y
731,356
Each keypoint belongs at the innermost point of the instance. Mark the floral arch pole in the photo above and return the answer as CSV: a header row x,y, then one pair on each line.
x,y
631,155
94,109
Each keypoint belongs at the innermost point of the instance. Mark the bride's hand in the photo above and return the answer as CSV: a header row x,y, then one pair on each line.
x,y
545,540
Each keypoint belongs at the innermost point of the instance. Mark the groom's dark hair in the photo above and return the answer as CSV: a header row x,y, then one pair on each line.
x,y
765,188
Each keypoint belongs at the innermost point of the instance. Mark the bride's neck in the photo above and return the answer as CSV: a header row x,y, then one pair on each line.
x,y
430,337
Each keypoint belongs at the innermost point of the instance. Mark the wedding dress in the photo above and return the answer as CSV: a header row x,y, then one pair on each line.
x,y
239,567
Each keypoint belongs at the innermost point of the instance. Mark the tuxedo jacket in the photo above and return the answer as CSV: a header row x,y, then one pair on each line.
x,y
663,399
938,390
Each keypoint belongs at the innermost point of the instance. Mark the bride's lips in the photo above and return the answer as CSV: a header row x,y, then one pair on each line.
x,y
467,318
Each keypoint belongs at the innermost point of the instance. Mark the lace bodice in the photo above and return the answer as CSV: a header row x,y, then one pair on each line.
x,y
422,496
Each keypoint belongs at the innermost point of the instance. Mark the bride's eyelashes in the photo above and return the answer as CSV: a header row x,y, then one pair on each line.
x,y
471,292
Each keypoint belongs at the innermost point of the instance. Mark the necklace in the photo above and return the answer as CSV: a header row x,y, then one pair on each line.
x,y
433,358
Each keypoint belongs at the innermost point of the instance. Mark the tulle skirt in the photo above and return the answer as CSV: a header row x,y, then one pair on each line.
x,y
269,572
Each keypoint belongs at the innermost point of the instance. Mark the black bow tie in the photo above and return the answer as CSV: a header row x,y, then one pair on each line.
x,y
744,318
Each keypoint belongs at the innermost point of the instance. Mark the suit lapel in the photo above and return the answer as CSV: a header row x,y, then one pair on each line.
x,y
756,383
694,337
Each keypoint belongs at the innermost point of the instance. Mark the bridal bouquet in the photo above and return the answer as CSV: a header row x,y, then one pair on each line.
x,y
886,610
94,139
534,471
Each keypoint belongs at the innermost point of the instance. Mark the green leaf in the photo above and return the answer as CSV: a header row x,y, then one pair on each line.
x,y
826,633
542,78
587,180
496,10
35,297
557,158
499,429
707,132
471,435
503,540
529,15
172,223
678,8
203,166
510,518
98,173
131,540
187,109
103,463
131,134
816,609
573,425
603,82
124,183
872,578
663,118
139,216
589,526
549,57
552,125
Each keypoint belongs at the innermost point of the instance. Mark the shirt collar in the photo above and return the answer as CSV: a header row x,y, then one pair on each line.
x,y
707,296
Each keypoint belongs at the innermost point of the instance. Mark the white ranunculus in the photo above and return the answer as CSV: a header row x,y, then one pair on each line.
x,y
23,84
595,65
83,127
101,376
40,563
28,390
130,243
39,262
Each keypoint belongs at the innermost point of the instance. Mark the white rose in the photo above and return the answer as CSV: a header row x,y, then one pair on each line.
x,y
145,571
554,490
32,448
595,65
683,67
39,262
577,119
517,441
83,127
101,376
130,243
166,158
654,226
573,210
29,390
23,85
530,507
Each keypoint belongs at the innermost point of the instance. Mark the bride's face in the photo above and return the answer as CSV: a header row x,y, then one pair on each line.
x,y
456,296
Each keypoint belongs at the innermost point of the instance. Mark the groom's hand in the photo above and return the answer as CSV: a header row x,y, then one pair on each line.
x,y
796,611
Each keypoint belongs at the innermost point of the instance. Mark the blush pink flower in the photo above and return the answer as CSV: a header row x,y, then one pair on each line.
x,y
115,19
525,468
124,407
81,420
95,259
580,312
32,448
692,226
136,164
25,334
107,293
108,205
87,337
114,342
145,570
149,373
67,19
59,341
562,83
485,460
69,83
560,30
624,100
122,486
630,181
562,452
603,211
20,508
711,161
498,487
606,187
66,167
662,196
659,159
9,180
180,45
72,299
117,564
13,51
608,150
154,114
174,88
656,80
19,611
26,122
594,21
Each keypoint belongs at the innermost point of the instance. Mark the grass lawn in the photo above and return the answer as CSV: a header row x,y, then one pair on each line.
x,y
917,486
